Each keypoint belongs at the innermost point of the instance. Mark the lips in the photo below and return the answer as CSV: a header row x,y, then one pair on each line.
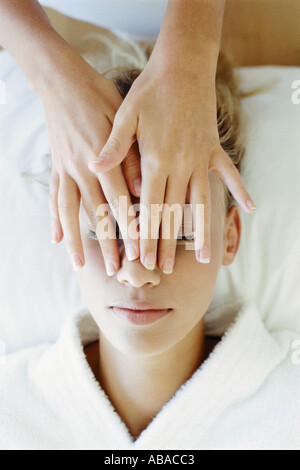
x,y
140,306
140,317
140,313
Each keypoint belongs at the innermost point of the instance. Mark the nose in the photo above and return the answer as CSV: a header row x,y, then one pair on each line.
x,y
135,274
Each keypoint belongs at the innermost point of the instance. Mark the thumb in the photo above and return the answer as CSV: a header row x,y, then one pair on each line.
x,y
131,167
116,148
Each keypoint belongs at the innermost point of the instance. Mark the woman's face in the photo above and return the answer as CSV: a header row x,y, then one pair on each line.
x,y
187,292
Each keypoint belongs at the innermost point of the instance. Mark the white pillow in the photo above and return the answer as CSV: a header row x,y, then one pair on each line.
x,y
267,266
38,286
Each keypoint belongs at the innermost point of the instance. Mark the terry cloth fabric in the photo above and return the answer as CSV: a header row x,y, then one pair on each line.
x,y
244,396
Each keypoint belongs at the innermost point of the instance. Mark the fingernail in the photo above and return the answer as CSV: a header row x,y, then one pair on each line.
x,y
251,205
168,266
150,261
204,255
131,252
110,268
76,262
137,186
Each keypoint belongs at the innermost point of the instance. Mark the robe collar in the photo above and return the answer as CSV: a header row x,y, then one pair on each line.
x,y
235,369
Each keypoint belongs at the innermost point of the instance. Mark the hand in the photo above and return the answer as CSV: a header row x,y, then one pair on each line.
x,y
80,108
172,111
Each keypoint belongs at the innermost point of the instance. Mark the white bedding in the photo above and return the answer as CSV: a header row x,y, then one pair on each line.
x,y
38,288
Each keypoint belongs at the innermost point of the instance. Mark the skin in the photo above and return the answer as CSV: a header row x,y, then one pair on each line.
x,y
141,367
87,118
171,109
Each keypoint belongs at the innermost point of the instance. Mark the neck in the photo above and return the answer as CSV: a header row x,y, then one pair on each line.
x,y
139,386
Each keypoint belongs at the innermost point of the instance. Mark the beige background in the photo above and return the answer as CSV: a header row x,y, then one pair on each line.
x,y
256,32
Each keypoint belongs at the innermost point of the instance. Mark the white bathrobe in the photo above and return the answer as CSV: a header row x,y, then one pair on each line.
x,y
246,395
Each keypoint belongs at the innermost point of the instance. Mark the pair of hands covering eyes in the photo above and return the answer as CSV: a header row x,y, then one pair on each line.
x,y
158,144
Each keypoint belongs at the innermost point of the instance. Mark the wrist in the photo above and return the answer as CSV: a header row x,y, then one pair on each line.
x,y
53,61
201,64
191,35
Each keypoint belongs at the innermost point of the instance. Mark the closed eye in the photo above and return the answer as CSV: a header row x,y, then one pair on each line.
x,y
180,240
92,234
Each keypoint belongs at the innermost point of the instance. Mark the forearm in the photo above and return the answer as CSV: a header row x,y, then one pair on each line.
x,y
26,32
191,33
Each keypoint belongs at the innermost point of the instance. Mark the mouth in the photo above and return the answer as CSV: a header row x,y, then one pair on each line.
x,y
140,313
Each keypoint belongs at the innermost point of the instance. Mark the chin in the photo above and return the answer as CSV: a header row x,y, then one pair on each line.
x,y
139,341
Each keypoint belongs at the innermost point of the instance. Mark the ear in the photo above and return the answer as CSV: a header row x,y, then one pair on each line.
x,y
232,235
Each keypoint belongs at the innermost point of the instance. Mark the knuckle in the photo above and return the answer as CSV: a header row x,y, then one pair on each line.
x,y
182,161
77,168
228,164
119,119
114,143
183,170
156,165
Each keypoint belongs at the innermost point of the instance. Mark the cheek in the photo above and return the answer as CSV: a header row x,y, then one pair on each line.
x,y
217,241
92,278
191,289
195,277
195,282
93,257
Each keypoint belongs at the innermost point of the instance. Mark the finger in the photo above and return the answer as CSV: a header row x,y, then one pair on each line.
x,y
200,199
95,204
228,172
108,241
69,205
131,167
119,142
117,195
56,228
152,198
171,220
